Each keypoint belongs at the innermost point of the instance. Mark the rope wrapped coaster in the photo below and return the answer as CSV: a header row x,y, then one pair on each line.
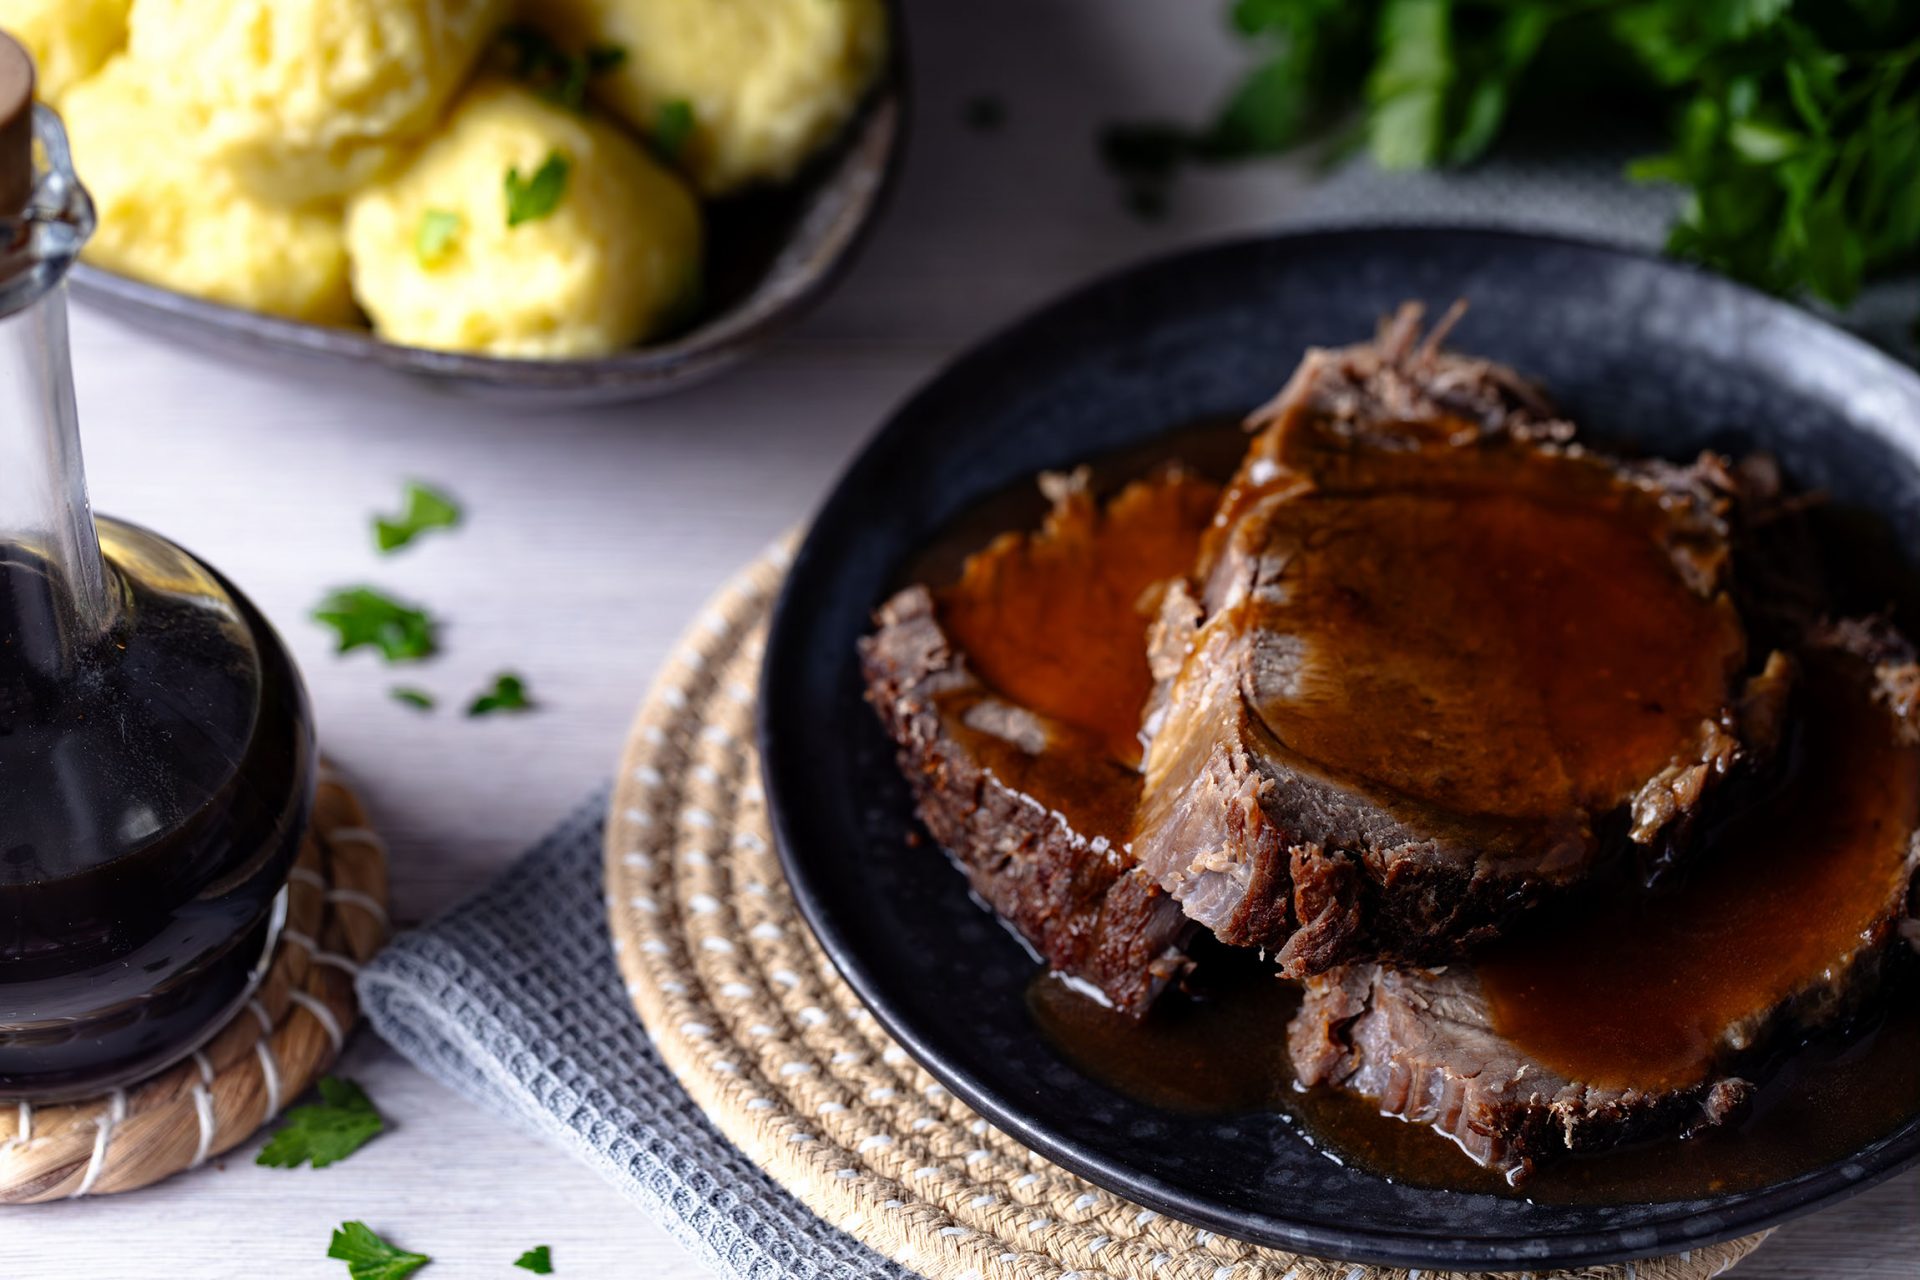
x,y
283,1039
766,1037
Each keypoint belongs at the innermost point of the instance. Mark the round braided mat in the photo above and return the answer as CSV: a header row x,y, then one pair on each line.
x,y
766,1037
281,1041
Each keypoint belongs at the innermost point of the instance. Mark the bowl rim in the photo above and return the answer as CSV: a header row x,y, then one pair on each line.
x,y
871,144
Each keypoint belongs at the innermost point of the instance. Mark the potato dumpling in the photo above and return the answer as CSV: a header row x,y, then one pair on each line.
x,y
188,226
768,81
306,99
605,249
69,39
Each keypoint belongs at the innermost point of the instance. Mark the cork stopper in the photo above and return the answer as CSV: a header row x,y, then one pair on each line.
x,y
16,126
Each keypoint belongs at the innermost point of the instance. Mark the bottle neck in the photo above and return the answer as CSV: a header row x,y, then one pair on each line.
x,y
44,513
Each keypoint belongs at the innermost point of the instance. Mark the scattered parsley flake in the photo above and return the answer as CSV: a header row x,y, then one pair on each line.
x,y
672,127
427,508
368,1257
509,693
435,237
413,697
984,113
342,1122
364,616
538,1260
533,198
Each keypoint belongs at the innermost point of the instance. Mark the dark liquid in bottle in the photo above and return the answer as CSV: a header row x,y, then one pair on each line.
x,y
154,785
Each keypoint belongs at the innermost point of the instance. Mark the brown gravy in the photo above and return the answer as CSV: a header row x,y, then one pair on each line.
x,y
1223,1052
1641,988
1055,624
1532,636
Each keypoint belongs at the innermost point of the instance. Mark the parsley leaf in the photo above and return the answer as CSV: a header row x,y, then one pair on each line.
x,y
412,696
363,616
435,237
1795,127
530,199
368,1257
555,74
427,508
340,1124
507,694
538,1260
672,126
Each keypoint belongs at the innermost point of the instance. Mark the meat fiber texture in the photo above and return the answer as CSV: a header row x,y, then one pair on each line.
x,y
1267,846
1422,1043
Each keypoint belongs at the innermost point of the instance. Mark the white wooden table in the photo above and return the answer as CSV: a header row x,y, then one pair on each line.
x,y
592,537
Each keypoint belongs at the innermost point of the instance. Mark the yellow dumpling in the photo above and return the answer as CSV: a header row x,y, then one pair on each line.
x,y
768,81
308,99
69,39
187,226
602,255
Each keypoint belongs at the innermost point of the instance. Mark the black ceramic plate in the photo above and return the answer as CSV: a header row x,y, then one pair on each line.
x,y
1646,354
770,255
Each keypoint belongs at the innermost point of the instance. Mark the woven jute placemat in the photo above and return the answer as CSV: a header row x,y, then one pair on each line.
x,y
283,1039
764,1034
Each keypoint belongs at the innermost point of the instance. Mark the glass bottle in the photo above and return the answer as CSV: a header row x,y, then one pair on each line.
x,y
156,749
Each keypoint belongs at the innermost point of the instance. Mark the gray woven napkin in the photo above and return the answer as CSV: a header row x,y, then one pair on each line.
x,y
510,1001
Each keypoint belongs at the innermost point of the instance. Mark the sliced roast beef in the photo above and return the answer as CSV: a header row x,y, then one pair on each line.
x,y
1015,696
1637,1014
1437,662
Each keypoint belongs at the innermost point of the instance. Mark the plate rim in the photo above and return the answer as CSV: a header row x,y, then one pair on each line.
x,y
1755,1210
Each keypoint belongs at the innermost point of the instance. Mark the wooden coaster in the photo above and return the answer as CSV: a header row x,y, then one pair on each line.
x,y
763,1033
284,1039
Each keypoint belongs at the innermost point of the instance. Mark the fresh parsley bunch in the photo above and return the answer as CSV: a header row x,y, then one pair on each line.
x,y
1795,123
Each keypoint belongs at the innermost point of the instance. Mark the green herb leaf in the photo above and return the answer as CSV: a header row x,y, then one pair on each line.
x,y
538,1260
368,1257
427,508
530,199
363,616
342,1122
555,74
435,237
672,127
507,694
412,696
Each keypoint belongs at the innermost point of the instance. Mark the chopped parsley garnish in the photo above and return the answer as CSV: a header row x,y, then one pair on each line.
x,y
530,199
509,693
342,1122
553,73
672,126
413,697
538,1260
427,508
984,114
362,616
435,237
368,1257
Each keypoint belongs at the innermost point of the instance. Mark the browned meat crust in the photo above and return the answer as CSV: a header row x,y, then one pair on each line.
x,y
1074,897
